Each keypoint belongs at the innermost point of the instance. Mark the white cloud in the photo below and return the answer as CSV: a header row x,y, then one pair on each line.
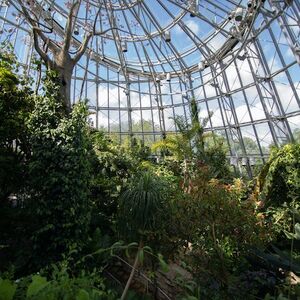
x,y
190,24
193,26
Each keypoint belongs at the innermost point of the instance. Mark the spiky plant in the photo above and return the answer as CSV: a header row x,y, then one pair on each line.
x,y
141,209
141,205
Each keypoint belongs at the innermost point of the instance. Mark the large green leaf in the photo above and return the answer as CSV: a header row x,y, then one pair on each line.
x,y
295,235
7,289
164,266
82,295
297,231
38,283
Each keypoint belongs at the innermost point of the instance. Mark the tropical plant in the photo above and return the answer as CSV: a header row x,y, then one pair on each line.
x,y
277,190
194,148
190,140
141,213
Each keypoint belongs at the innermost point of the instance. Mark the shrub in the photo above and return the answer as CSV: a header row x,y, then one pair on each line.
x,y
218,228
60,285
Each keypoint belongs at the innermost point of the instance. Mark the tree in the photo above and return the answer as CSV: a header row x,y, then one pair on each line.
x,y
62,62
142,207
191,137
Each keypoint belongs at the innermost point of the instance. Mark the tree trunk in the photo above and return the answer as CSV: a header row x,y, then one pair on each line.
x,y
63,66
65,77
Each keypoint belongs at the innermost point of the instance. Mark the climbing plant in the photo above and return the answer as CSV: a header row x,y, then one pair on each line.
x,y
59,172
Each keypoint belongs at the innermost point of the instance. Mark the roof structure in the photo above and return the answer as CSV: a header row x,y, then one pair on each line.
x,y
238,59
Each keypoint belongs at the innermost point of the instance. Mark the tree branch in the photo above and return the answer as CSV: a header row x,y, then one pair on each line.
x,y
86,40
83,47
69,26
36,29
51,44
37,47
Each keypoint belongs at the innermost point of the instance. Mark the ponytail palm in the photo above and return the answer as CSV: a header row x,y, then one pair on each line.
x,y
141,210
142,205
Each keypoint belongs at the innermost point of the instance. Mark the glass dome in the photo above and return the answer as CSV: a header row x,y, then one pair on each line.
x,y
239,60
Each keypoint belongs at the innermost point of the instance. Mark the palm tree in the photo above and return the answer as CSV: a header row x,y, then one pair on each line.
x,y
188,144
190,137
141,210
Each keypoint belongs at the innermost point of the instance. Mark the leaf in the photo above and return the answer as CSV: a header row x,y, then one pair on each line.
x,y
297,231
82,295
164,266
127,252
141,256
295,235
7,289
289,235
38,283
268,297
147,249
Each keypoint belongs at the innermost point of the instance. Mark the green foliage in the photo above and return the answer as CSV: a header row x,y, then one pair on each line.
x,y
7,57
36,286
177,145
69,174
112,169
59,173
194,148
15,105
280,185
219,227
282,182
215,157
142,206
60,286
136,149
7,289
198,128
190,140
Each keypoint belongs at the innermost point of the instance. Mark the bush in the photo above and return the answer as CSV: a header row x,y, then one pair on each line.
x,y
60,285
218,228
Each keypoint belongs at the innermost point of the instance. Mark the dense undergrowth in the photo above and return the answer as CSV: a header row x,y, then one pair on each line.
x,y
79,213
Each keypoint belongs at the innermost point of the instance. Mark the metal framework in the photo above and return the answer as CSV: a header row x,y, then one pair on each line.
x,y
238,59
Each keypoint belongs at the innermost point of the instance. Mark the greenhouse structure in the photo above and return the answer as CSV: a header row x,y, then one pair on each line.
x,y
149,149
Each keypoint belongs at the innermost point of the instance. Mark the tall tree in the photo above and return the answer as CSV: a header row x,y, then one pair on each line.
x,y
61,60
